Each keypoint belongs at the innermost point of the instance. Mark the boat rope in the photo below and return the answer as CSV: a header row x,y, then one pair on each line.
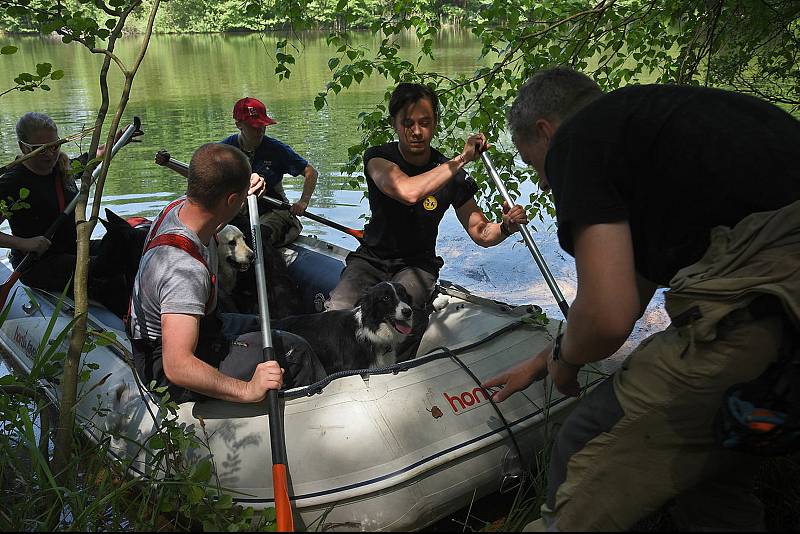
x,y
491,400
317,387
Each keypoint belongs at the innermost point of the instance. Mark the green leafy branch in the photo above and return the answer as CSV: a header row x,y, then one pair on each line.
x,y
27,81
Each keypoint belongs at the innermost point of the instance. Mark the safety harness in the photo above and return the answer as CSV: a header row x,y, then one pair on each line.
x,y
178,241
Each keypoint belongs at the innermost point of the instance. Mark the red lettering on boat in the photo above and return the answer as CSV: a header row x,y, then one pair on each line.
x,y
466,400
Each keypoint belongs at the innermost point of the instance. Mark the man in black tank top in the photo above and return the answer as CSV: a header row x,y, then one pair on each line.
x,y
410,186
691,188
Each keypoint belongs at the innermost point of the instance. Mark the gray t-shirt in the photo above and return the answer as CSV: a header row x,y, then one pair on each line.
x,y
171,281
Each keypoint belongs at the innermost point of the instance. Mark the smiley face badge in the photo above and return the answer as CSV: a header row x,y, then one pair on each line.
x,y
430,203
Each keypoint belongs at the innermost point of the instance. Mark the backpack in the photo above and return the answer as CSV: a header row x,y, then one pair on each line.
x,y
762,417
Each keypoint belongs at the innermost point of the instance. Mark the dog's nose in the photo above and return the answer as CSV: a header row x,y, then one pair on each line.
x,y
406,312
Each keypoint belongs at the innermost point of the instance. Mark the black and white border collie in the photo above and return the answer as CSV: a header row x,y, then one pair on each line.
x,y
365,336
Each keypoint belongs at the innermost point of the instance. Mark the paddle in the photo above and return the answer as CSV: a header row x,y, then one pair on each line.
x,y
182,168
30,257
526,236
280,488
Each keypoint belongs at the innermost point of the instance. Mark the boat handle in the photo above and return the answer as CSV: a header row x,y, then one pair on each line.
x,y
29,308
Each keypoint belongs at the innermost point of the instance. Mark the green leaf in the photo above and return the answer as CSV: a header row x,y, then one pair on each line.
x,y
268,514
8,50
24,193
156,442
44,87
194,494
202,471
225,502
333,63
7,380
57,75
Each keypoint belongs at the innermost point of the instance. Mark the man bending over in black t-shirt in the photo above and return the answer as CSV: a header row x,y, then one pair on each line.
x,y
691,188
411,185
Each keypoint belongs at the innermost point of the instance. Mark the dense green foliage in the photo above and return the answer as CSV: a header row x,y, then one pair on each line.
x,y
750,46
184,16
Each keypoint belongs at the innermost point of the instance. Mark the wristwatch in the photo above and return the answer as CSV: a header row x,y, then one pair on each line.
x,y
557,353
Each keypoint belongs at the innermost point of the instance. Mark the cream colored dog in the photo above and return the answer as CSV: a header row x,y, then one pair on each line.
x,y
234,255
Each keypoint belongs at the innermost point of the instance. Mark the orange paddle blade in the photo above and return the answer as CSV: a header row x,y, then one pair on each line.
x,y
283,509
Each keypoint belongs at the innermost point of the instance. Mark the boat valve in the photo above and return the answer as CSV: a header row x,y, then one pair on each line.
x,y
30,307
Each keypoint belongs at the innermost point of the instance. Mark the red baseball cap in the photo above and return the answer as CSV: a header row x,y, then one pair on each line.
x,y
253,112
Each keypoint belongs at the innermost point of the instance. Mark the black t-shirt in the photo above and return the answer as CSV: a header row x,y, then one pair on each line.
x,y
44,207
674,161
408,233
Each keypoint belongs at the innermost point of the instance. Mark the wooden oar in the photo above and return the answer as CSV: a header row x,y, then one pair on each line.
x,y
280,487
30,257
183,168
526,236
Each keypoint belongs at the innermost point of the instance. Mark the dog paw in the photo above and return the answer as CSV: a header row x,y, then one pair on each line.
x,y
441,302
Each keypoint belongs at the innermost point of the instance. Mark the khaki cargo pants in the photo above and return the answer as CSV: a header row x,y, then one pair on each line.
x,y
646,435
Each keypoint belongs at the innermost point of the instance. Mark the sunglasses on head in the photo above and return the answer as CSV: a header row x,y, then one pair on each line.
x,y
31,147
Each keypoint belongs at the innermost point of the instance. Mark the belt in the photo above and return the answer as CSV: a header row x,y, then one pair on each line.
x,y
761,307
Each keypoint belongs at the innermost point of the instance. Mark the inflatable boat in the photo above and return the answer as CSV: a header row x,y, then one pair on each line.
x,y
395,448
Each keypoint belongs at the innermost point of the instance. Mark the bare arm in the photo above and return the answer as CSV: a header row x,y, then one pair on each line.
x,y
481,230
309,184
607,303
184,369
606,307
38,244
396,184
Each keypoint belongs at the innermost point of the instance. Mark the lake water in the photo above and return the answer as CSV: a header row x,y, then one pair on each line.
x,y
184,93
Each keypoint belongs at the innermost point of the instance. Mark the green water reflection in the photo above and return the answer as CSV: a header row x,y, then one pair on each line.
x,y
184,94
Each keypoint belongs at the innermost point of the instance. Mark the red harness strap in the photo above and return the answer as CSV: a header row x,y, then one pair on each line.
x,y
190,247
59,186
135,222
177,241
163,215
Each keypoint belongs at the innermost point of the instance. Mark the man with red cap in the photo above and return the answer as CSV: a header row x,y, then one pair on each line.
x,y
271,159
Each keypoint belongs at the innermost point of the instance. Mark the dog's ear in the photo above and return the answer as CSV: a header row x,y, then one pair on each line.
x,y
363,297
114,220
